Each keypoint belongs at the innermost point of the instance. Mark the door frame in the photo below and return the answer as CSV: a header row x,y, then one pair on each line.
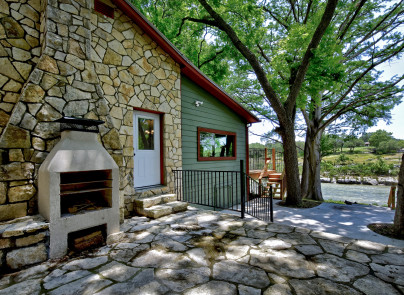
x,y
162,164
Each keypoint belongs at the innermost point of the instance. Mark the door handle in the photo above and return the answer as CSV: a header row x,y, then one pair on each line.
x,y
134,154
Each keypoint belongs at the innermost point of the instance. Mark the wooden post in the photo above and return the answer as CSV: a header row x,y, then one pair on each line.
x,y
391,202
273,160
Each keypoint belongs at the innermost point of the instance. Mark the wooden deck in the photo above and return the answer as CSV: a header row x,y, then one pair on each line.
x,y
255,174
274,178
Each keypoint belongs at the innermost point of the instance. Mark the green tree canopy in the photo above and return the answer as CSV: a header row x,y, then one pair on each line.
x,y
256,145
278,57
380,136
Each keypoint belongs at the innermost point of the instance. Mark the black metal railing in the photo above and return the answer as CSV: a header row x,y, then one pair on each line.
x,y
259,200
224,190
279,163
257,159
217,189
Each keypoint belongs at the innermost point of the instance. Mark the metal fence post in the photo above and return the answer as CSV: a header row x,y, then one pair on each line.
x,y
242,186
175,183
271,208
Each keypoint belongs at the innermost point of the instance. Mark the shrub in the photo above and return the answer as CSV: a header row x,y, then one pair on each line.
x,y
380,167
343,158
386,147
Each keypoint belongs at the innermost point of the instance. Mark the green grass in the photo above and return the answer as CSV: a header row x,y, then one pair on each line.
x,y
342,202
367,158
334,201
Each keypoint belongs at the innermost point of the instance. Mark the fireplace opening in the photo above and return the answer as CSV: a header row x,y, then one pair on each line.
x,y
84,191
87,239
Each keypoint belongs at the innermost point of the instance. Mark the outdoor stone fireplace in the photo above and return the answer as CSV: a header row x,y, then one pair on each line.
x,y
78,185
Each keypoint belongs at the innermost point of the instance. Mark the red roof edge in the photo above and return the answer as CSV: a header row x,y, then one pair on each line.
x,y
187,68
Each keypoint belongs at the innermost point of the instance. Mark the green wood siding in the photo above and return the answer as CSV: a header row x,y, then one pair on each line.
x,y
214,115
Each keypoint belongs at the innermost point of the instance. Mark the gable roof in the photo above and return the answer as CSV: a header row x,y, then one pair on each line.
x,y
187,68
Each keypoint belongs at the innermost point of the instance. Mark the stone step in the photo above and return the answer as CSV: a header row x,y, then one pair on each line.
x,y
155,200
157,211
178,206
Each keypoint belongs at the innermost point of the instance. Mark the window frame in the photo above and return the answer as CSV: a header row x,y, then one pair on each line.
x,y
215,131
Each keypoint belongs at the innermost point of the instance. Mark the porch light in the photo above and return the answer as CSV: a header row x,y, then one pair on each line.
x,y
198,103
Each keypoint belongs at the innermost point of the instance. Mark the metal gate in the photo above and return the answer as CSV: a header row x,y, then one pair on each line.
x,y
225,190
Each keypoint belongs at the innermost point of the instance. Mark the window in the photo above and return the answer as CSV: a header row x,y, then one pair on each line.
x,y
145,134
215,145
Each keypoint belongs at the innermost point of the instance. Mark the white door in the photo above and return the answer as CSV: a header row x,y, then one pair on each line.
x,y
146,148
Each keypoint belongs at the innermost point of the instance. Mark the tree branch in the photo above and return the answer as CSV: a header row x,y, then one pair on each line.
x,y
362,101
304,66
360,77
263,53
375,29
345,25
251,58
306,17
271,138
371,44
217,53
266,57
305,116
292,6
196,20
277,19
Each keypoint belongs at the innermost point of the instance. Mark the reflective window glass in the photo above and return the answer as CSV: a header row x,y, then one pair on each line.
x,y
145,134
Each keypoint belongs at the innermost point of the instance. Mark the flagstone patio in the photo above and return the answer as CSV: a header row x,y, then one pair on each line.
x,y
205,252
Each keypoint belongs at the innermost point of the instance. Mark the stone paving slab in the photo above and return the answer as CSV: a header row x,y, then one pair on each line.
x,y
345,220
206,252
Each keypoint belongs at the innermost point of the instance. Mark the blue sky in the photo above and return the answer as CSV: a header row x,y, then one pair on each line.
x,y
397,122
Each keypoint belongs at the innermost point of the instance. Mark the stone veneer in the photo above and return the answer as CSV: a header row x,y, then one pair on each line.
x,y
61,58
23,241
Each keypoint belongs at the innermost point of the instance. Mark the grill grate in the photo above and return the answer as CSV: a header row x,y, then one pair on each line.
x,y
79,124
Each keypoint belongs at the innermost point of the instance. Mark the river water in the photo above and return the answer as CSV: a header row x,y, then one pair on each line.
x,y
365,194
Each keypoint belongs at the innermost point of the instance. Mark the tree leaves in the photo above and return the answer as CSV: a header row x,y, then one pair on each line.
x,y
280,56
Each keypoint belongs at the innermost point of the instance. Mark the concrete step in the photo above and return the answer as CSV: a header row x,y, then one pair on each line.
x,y
157,211
155,200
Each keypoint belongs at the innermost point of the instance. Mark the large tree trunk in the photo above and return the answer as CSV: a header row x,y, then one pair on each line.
x,y
399,216
312,156
285,111
313,160
291,166
304,186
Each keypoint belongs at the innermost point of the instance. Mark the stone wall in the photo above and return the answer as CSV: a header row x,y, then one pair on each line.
x,y
23,242
89,66
19,51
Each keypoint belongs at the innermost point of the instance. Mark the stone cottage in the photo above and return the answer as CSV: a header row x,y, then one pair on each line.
x,y
95,59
